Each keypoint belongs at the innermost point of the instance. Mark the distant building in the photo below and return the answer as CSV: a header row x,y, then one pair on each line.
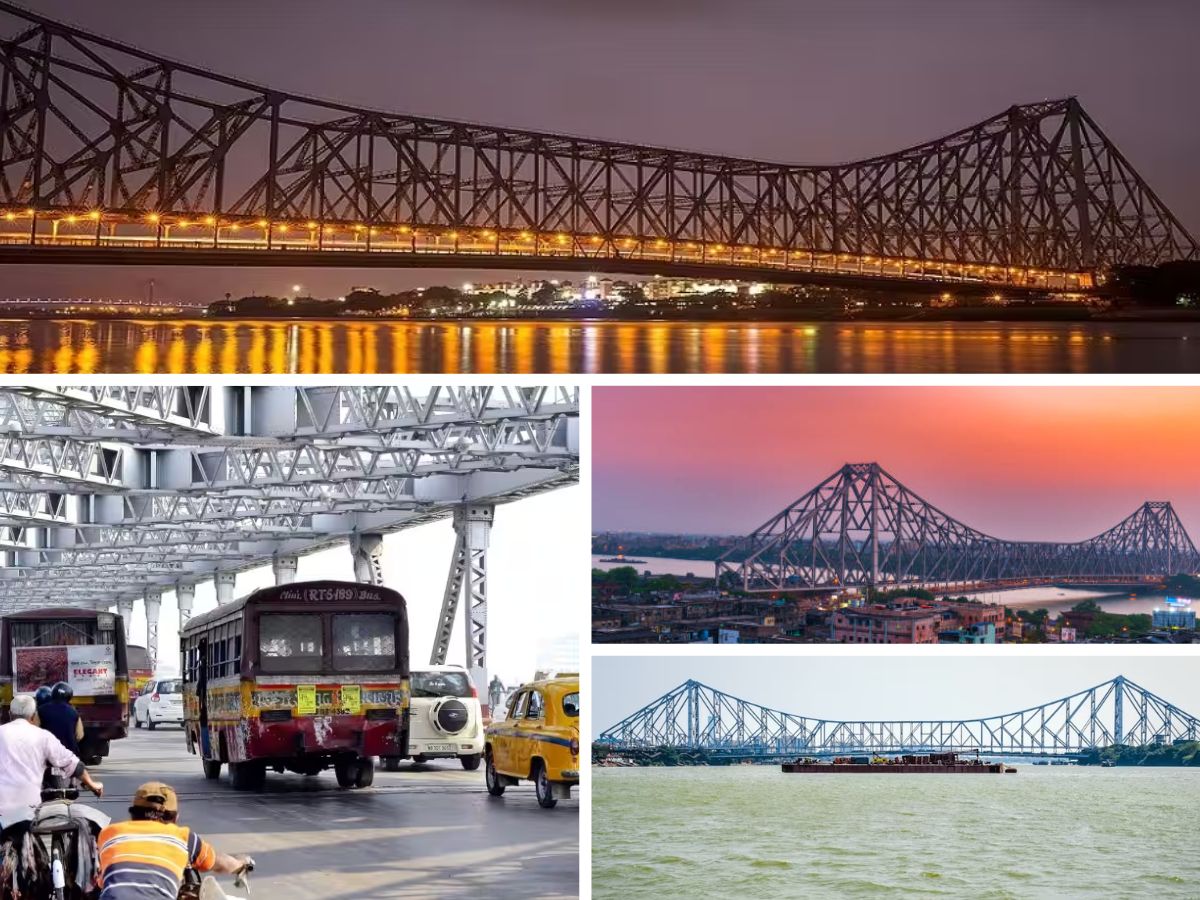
x,y
727,636
886,625
1174,618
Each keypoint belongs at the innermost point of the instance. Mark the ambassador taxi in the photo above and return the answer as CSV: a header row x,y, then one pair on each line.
x,y
537,740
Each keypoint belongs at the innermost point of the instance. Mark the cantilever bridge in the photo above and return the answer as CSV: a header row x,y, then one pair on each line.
x,y
695,716
110,154
861,527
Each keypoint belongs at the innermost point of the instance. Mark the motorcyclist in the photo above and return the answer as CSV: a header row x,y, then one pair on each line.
x,y
26,751
60,718
151,851
42,696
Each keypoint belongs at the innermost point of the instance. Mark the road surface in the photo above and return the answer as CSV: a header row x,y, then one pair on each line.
x,y
425,831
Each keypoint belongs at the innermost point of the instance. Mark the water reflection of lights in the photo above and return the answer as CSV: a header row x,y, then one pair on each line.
x,y
329,346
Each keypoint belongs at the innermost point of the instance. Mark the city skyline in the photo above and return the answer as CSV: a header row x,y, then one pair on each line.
x,y
665,58
990,457
873,687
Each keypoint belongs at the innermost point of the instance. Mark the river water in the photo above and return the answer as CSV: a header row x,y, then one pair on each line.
x,y
338,346
753,832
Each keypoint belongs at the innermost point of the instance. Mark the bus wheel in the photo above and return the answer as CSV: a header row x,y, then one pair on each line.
x,y
365,776
495,786
390,763
346,771
470,762
212,768
247,776
543,789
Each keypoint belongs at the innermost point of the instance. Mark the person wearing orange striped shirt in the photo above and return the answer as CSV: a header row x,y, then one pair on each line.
x,y
144,858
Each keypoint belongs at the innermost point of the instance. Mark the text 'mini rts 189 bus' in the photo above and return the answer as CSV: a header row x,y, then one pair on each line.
x,y
83,647
299,677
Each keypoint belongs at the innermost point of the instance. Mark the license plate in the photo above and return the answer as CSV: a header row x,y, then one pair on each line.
x,y
440,748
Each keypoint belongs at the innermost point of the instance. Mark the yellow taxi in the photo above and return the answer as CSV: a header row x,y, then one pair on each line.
x,y
537,740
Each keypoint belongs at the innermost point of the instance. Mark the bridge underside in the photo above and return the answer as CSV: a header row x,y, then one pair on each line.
x,y
931,284
862,528
696,718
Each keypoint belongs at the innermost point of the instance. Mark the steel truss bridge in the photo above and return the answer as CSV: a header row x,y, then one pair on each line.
x,y
110,495
110,154
861,527
695,716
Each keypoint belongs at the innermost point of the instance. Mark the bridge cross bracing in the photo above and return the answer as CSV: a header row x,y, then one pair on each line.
x,y
111,154
860,527
694,716
114,494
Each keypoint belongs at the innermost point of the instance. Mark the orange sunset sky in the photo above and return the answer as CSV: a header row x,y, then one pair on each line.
x,y
1033,463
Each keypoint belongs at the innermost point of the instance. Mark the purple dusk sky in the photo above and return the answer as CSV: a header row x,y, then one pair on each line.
x,y
813,82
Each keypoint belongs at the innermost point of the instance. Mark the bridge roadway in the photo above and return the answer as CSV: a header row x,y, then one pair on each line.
x,y
426,831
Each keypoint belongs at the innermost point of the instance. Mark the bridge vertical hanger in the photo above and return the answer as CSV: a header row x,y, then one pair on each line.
x,y
224,582
468,574
284,566
152,600
367,550
185,598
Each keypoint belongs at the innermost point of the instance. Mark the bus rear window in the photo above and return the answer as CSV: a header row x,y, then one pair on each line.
x,y
289,643
53,633
440,684
364,642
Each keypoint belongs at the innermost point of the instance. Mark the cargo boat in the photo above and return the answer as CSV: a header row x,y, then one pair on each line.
x,y
937,763
623,559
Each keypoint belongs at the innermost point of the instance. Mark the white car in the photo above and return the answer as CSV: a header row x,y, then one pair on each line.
x,y
444,718
161,702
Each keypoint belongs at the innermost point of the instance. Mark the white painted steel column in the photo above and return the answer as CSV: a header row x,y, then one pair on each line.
x,y
153,603
185,596
367,550
284,568
225,583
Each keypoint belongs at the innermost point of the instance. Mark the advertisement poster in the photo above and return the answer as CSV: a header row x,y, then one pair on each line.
x,y
89,669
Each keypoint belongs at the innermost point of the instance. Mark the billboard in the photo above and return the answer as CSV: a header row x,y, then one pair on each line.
x,y
89,668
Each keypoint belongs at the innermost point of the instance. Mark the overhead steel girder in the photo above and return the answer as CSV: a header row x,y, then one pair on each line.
x,y
229,478
698,717
861,527
91,124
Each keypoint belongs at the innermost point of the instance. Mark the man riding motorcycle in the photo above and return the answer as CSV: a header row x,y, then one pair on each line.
x,y
25,753
145,858
60,718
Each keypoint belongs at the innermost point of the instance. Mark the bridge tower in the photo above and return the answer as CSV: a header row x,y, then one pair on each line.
x,y
1119,710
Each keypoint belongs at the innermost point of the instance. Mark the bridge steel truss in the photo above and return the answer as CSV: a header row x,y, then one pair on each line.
x,y
97,136
695,716
112,494
861,527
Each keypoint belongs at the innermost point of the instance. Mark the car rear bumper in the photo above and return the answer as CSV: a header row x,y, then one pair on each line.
x,y
444,747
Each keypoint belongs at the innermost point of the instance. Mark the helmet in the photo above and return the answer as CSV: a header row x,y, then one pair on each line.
x,y
62,691
42,695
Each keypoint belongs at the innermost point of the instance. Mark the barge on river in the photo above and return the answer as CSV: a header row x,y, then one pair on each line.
x,y
938,763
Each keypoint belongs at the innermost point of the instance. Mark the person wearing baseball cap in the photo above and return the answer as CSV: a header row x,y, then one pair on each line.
x,y
144,858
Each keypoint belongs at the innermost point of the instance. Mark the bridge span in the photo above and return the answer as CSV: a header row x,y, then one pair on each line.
x,y
860,527
697,717
110,154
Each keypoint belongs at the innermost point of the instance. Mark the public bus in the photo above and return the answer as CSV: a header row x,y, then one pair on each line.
x,y
83,647
298,677
141,670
